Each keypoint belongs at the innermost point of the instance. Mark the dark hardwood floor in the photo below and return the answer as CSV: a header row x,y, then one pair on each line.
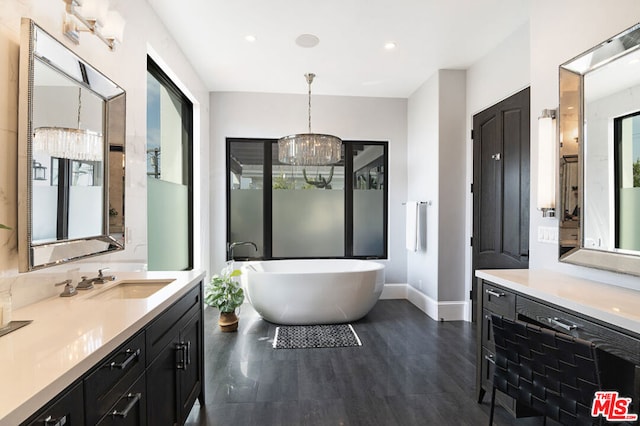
x,y
410,370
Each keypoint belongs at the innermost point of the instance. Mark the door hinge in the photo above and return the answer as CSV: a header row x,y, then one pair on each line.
x,y
471,188
471,241
471,134
471,294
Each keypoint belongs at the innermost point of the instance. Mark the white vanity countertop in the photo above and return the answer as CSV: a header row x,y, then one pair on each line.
x,y
614,305
69,335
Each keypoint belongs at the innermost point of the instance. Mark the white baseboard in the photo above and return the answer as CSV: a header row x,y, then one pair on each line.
x,y
439,311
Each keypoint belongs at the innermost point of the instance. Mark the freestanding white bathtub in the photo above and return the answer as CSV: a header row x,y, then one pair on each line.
x,y
312,291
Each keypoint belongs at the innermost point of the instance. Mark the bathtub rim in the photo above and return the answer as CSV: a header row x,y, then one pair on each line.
x,y
374,266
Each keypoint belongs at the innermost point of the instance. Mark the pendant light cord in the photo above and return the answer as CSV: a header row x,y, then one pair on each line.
x,y
309,78
79,104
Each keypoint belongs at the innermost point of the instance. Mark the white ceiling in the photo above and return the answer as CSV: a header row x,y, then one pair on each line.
x,y
350,59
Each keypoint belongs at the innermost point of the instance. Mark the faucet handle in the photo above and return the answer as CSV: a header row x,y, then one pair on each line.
x,y
69,290
102,278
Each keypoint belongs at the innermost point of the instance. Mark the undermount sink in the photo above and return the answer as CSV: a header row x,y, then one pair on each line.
x,y
132,290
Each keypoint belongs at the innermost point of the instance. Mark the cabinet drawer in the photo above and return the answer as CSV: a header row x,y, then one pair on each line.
x,y
130,409
160,332
498,300
607,339
113,377
66,410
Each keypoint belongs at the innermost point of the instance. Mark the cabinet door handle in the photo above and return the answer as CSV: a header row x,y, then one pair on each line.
x,y
558,322
50,421
124,364
494,293
490,359
188,350
133,400
181,349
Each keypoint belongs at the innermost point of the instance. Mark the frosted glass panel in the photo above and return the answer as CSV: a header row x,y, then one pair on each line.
x,y
85,211
168,225
246,221
308,223
368,200
629,214
44,224
368,223
170,216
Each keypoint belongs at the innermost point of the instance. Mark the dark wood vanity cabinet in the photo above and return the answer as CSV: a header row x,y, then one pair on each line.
x,y
66,409
153,378
175,371
618,350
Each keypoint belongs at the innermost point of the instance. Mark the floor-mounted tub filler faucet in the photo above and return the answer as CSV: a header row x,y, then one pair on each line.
x,y
231,246
87,283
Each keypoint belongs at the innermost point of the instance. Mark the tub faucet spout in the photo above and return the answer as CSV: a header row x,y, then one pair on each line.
x,y
231,246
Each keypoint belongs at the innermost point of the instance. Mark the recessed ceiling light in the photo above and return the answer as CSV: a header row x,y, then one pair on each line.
x,y
307,40
390,45
250,38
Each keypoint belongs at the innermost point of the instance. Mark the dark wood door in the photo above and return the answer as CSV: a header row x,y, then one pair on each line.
x,y
191,370
501,187
162,386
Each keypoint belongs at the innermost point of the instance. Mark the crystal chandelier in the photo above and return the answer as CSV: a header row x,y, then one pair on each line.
x,y
67,142
309,149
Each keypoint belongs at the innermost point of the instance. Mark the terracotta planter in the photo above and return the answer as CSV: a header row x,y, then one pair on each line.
x,y
228,321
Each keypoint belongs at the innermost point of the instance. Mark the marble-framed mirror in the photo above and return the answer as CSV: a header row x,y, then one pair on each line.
x,y
599,158
71,163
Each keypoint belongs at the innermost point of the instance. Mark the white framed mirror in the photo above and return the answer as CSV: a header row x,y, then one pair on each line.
x,y
599,196
70,154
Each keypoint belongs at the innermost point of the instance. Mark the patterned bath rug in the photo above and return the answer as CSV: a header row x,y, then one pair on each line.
x,y
315,336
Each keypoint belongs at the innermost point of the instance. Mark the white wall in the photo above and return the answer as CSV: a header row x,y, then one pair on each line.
x,y
559,32
262,115
452,242
127,67
498,75
422,170
435,166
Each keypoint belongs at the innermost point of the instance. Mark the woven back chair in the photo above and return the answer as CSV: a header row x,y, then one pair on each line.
x,y
555,374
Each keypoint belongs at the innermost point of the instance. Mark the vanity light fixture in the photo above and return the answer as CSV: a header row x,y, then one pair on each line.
x,y
95,17
309,149
547,158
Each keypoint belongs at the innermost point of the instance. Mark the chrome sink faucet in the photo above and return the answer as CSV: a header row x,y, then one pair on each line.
x,y
231,246
69,290
87,283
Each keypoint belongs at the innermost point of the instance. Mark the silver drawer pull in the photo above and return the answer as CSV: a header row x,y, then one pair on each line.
x,y
50,421
131,355
494,293
134,398
562,324
490,359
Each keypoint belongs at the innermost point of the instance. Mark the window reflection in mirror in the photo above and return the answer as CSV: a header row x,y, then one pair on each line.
x,y
68,203
627,170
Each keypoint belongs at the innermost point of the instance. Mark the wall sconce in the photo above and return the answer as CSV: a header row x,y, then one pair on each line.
x,y
95,17
547,158
39,171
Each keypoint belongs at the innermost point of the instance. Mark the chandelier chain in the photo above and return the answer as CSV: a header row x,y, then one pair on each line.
x,y
79,104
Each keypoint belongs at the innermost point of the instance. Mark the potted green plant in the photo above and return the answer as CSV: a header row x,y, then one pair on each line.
x,y
226,294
